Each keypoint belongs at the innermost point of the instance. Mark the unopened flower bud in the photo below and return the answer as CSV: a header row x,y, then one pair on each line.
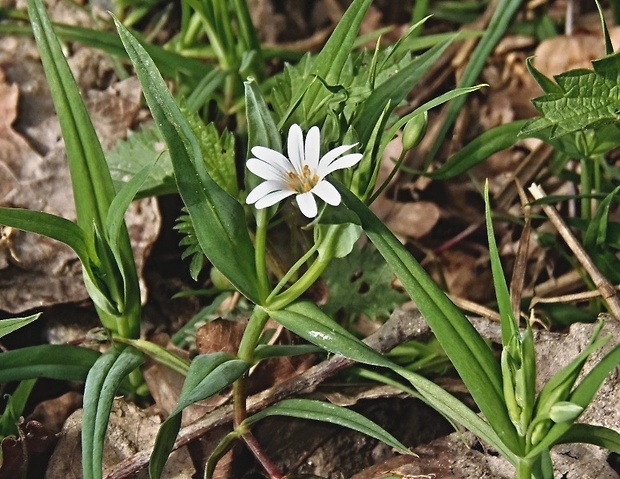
x,y
414,131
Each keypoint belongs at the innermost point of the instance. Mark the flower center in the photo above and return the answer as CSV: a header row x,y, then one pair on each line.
x,y
304,182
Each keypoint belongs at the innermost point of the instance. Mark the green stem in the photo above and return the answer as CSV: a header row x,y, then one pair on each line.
x,y
300,287
395,169
524,469
586,188
285,279
260,245
248,344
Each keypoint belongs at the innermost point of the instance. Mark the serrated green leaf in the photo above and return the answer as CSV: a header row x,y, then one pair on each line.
x,y
140,149
218,152
360,283
9,325
586,99
103,381
52,361
218,218
330,413
208,374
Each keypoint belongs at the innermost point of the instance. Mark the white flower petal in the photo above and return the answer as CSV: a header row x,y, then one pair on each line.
x,y
273,198
327,192
331,155
266,188
296,147
346,161
307,204
266,171
313,148
272,157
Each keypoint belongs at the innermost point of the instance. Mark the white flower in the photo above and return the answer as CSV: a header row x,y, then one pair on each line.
x,y
302,173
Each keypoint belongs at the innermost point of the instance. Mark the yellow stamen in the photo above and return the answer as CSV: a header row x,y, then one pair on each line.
x,y
303,183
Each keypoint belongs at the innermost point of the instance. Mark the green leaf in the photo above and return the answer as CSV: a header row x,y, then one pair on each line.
x,y
262,129
137,151
468,352
219,220
591,434
9,325
558,388
52,226
508,321
394,89
585,99
170,63
158,353
309,322
479,149
93,189
218,152
361,290
329,63
70,363
102,383
330,413
265,351
208,374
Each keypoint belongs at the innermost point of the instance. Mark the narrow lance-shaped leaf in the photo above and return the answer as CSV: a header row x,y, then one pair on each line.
x,y
9,325
208,374
54,361
470,355
102,383
330,413
308,321
92,185
394,90
219,219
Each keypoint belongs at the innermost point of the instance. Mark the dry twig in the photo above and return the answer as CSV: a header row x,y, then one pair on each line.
x,y
608,292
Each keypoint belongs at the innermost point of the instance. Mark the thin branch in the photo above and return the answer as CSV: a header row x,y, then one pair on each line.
x,y
607,290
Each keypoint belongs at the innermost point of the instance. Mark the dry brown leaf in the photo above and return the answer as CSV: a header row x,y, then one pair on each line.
x,y
413,220
219,335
